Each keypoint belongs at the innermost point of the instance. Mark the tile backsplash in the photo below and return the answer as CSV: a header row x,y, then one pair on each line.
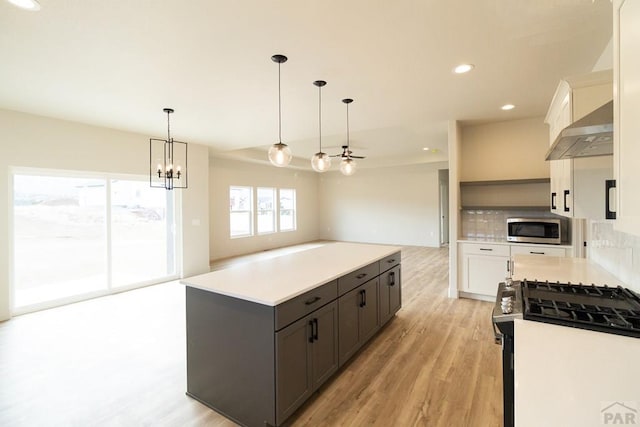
x,y
492,224
618,253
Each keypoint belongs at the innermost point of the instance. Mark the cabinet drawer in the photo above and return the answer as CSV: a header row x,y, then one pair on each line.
x,y
485,249
389,262
535,250
300,306
358,277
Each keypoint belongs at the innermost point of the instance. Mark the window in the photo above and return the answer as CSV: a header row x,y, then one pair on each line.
x,y
266,210
287,209
241,211
82,235
269,206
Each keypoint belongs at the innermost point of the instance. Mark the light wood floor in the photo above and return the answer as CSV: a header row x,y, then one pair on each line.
x,y
120,361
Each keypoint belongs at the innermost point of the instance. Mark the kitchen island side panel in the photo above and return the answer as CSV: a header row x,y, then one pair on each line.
x,y
230,356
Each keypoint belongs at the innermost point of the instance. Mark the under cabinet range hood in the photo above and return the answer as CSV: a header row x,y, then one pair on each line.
x,y
590,136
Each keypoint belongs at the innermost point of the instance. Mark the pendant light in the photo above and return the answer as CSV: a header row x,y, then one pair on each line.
x,y
320,162
279,153
348,165
167,160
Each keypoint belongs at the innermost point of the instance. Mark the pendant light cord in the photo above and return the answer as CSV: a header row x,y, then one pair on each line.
x,y
168,127
279,107
320,116
348,153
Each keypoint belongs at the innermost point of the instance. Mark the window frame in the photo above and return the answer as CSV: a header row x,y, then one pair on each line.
x,y
251,211
273,210
294,210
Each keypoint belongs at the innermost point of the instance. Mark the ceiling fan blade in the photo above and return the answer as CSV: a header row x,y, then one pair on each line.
x,y
357,157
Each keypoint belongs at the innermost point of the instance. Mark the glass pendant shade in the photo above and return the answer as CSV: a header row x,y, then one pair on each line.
x,y
279,155
348,167
321,162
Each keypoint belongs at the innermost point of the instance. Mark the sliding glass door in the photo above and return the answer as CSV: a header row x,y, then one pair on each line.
x,y
142,238
59,234
77,236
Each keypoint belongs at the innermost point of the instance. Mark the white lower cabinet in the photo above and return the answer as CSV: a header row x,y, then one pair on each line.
x,y
483,265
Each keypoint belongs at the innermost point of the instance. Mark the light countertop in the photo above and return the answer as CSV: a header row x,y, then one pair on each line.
x,y
274,281
573,377
562,269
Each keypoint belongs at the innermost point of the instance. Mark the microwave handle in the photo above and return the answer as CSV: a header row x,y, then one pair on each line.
x,y
609,184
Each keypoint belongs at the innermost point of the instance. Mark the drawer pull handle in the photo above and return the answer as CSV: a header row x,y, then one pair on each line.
x,y
486,249
361,275
536,253
391,261
312,300
392,278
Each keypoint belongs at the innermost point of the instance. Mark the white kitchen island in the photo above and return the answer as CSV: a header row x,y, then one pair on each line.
x,y
263,336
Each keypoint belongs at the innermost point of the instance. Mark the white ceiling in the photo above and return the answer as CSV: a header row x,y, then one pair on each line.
x,y
117,63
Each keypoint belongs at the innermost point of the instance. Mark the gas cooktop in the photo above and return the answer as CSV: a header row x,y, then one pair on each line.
x,y
601,308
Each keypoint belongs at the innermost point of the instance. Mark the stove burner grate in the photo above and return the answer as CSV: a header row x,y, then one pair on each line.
x,y
602,308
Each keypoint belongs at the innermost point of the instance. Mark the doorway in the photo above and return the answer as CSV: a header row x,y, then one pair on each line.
x,y
443,180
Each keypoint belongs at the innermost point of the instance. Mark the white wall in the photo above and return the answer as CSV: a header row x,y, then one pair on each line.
x,y
513,149
225,172
39,142
394,205
455,148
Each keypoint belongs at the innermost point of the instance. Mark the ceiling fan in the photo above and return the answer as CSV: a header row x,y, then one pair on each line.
x,y
347,154
346,151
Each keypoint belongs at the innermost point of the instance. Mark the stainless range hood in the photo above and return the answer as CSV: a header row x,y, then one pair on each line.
x,y
590,136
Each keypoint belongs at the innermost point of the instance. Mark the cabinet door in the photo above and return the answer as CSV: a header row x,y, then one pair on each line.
x,y
389,294
482,274
324,350
627,105
560,116
395,293
348,308
384,304
293,367
368,313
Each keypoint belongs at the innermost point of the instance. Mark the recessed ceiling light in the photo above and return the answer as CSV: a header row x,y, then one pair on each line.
x,y
463,68
507,107
426,148
26,4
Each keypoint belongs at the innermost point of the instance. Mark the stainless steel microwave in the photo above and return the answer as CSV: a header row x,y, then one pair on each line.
x,y
536,230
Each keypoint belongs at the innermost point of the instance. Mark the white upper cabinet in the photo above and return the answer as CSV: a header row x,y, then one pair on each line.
x,y
626,65
576,97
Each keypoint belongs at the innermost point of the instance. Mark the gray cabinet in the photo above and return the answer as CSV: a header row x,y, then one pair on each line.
x,y
358,318
390,294
306,356
257,364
